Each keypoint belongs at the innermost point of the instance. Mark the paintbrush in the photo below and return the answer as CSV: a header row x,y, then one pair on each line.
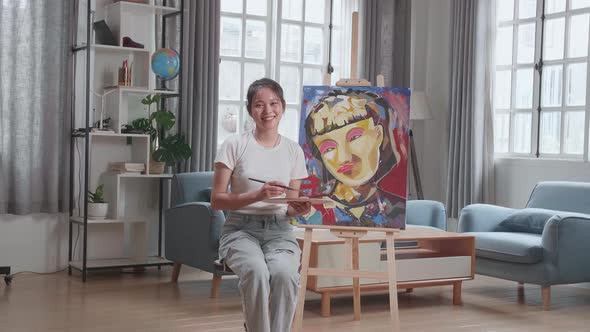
x,y
277,185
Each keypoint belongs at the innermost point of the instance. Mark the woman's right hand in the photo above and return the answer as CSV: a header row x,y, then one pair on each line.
x,y
270,190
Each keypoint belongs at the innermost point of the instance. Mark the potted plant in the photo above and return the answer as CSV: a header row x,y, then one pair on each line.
x,y
97,207
172,149
165,149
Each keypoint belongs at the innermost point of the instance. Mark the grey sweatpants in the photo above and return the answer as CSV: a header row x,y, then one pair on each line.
x,y
263,253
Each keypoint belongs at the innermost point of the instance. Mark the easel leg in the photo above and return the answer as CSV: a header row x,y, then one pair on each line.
x,y
325,311
349,260
392,282
356,288
298,319
415,169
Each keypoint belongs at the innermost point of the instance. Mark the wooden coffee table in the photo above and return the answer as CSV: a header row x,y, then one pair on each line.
x,y
429,257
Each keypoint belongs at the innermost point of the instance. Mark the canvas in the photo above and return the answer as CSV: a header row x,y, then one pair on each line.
x,y
355,141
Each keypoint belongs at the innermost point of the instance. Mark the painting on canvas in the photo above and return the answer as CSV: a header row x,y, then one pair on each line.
x,y
355,141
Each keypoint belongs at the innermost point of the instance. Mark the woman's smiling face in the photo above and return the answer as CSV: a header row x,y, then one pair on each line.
x,y
351,153
266,109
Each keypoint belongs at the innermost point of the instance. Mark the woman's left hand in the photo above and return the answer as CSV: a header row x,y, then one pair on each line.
x,y
298,208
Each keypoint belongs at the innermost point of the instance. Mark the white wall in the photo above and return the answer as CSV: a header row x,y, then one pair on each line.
x,y
515,178
36,242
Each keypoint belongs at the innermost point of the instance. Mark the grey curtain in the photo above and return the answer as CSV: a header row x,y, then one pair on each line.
x,y
35,66
470,177
387,36
200,78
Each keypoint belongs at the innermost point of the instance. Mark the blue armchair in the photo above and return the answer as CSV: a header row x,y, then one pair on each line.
x,y
193,228
425,213
544,244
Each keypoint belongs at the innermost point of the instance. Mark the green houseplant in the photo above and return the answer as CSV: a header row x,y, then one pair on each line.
x,y
166,149
97,206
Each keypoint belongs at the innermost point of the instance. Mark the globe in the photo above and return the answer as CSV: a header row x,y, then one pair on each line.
x,y
165,63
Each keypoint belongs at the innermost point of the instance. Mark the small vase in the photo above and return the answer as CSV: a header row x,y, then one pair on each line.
x,y
230,122
170,169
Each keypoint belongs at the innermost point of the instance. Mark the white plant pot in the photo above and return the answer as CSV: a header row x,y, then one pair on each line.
x,y
97,210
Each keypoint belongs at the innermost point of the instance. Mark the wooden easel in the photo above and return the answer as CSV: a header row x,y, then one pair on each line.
x,y
351,235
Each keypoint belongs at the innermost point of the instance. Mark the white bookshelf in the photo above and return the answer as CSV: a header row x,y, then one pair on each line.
x,y
131,7
146,91
131,234
118,49
80,221
113,134
121,262
139,175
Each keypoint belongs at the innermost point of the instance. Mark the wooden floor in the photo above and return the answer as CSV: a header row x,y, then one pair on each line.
x,y
113,301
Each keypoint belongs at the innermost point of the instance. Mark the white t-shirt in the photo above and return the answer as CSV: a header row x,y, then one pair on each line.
x,y
248,159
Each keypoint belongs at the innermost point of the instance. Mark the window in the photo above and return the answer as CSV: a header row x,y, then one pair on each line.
x,y
541,78
286,40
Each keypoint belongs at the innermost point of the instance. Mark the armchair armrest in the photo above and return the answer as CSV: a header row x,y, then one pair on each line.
x,y
482,217
426,213
566,246
192,234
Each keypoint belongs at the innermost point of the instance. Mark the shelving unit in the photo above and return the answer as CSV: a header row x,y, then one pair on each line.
x,y
127,237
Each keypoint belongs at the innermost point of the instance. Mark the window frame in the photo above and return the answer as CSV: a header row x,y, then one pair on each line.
x,y
301,65
242,59
273,61
537,109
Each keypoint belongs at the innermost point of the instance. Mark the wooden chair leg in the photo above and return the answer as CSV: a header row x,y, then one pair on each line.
x,y
175,272
215,285
546,295
520,294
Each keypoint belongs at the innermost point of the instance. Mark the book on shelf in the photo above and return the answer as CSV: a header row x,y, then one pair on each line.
x,y
124,167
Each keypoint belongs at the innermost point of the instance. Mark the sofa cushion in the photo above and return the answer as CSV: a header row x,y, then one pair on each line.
x,y
530,220
511,247
204,195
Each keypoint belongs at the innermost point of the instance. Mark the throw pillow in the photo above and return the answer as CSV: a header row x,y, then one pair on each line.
x,y
529,220
204,195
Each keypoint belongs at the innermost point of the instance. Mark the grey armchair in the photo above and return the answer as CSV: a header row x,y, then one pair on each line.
x,y
193,229
545,244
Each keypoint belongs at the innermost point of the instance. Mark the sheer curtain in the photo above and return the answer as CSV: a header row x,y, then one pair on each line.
x,y
342,37
35,55
470,177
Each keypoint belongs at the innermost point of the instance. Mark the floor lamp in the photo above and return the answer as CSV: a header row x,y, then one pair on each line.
x,y
419,110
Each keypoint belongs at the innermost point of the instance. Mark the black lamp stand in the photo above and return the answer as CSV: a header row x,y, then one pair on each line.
x,y
5,270
415,169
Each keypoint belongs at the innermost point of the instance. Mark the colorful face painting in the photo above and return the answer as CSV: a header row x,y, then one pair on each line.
x,y
355,141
